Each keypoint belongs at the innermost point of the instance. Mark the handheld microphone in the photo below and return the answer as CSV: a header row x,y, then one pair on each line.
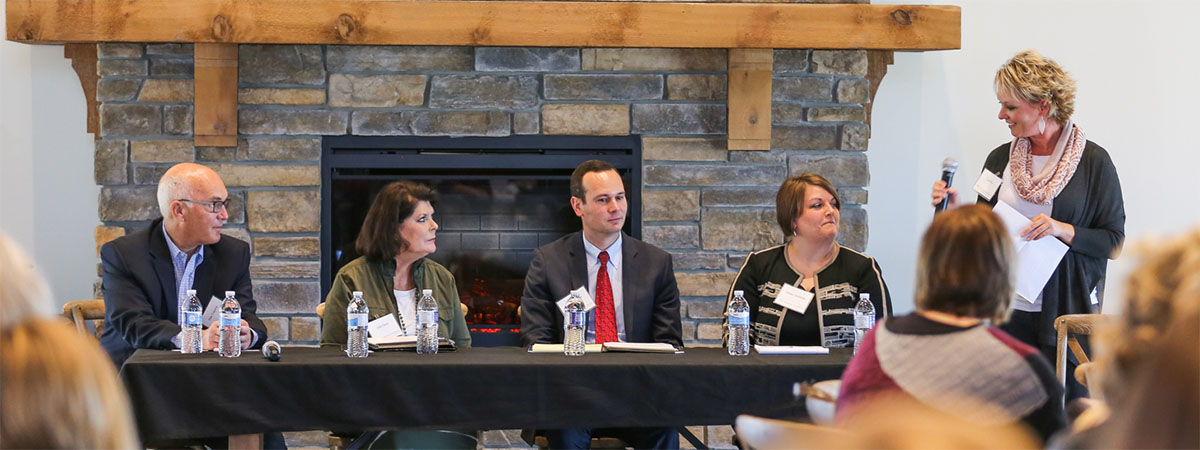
x,y
272,351
949,166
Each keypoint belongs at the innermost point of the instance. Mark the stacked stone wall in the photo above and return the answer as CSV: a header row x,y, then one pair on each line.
x,y
706,205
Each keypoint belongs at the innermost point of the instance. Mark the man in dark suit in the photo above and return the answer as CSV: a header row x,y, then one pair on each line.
x,y
632,283
147,273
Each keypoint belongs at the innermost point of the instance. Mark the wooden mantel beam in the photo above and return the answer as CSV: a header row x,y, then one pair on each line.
x,y
489,23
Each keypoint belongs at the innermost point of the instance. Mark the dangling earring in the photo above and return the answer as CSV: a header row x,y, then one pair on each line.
x,y
1041,125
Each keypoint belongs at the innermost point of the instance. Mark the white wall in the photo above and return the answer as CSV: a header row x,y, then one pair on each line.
x,y
48,196
1137,93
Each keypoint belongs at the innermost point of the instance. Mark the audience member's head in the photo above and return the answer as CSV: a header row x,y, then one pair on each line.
x,y
194,205
1164,286
59,390
965,265
23,292
899,422
795,192
382,233
1161,405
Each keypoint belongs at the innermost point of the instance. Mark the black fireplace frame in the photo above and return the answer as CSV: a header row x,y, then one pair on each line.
x,y
415,153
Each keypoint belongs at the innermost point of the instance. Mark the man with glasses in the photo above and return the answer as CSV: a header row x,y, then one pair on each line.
x,y
147,273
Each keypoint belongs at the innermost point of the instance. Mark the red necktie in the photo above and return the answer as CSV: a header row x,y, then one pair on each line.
x,y
606,315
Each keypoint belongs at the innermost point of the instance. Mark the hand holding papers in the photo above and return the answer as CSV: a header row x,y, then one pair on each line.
x,y
1036,260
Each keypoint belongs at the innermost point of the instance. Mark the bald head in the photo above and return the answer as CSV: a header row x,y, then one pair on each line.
x,y
189,197
182,181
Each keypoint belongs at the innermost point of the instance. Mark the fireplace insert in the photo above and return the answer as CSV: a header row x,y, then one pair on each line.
x,y
499,199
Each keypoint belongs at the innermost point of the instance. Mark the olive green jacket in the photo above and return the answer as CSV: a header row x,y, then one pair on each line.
x,y
374,279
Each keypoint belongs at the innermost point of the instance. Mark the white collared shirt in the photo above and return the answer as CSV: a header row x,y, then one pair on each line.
x,y
614,279
185,275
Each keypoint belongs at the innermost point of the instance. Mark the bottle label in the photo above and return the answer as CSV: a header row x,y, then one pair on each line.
x,y
192,318
576,318
425,317
356,320
231,320
739,318
864,321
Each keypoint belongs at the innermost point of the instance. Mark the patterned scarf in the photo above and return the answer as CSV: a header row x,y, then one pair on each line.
x,y
1042,187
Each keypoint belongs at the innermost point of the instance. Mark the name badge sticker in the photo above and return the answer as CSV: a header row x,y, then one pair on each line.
x,y
384,326
988,185
794,298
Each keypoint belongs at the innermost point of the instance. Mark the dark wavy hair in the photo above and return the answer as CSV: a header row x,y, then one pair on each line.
x,y
380,238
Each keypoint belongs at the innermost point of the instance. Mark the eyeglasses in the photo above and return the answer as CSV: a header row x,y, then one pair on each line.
x,y
215,206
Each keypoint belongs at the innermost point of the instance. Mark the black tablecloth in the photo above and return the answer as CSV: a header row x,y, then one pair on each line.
x,y
185,396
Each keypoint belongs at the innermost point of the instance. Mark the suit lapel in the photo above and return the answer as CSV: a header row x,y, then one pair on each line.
x,y
577,263
629,288
165,269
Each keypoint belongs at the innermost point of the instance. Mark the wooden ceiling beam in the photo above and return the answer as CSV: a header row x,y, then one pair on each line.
x,y
489,23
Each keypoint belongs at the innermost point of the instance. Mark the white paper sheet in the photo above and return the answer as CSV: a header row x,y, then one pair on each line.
x,y
588,302
791,350
1036,260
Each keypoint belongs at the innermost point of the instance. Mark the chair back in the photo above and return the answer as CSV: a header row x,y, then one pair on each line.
x,y
760,433
82,311
1068,326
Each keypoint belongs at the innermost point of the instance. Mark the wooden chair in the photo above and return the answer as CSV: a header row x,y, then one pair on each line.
x,y
764,434
1068,327
82,311
820,399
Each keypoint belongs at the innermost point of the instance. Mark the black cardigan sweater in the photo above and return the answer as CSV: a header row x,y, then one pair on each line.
x,y
1092,203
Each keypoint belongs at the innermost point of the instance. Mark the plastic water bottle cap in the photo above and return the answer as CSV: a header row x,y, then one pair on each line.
x,y
426,291
231,293
737,293
191,292
356,294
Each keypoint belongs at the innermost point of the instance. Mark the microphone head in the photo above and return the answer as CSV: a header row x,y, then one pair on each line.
x,y
272,351
949,165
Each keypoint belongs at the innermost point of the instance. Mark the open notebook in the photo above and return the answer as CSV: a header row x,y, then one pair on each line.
x,y
405,343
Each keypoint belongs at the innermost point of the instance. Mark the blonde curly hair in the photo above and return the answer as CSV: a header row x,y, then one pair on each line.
x,y
1031,77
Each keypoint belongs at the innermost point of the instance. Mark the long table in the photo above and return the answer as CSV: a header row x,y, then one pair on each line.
x,y
178,396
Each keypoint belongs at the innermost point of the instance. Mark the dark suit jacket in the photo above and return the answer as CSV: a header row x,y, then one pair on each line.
x,y
650,297
140,305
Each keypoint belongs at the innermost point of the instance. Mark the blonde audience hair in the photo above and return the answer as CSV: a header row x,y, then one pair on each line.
x,y
1164,286
23,292
1032,78
59,390
965,265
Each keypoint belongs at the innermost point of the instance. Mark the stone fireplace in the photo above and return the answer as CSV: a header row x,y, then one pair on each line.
x,y
707,205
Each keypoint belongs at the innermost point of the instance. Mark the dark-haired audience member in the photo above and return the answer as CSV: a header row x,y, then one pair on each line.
x,y
632,282
947,355
808,210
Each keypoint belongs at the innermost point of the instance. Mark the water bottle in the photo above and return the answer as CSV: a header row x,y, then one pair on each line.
x,y
427,323
739,325
193,322
356,326
230,345
574,327
864,318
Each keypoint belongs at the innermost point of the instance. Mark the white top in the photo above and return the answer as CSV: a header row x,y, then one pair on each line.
x,y
406,304
614,279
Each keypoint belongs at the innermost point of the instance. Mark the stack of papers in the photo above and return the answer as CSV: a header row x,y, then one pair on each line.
x,y
1036,260
640,347
791,350
558,348
405,343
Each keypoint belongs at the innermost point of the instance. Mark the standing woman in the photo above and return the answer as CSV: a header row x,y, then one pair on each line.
x,y
808,210
1066,184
